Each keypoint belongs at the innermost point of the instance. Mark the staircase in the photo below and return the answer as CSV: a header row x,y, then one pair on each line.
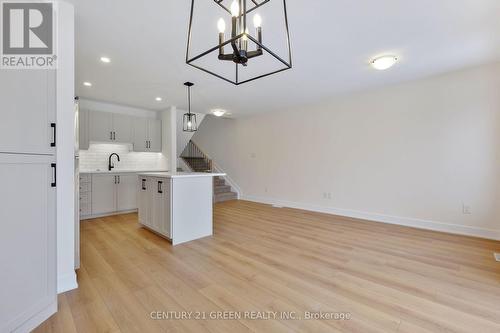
x,y
222,192
199,162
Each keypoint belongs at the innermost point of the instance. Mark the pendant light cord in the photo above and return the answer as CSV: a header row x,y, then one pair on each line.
x,y
189,99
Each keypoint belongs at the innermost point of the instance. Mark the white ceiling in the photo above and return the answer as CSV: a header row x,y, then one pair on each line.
x,y
332,43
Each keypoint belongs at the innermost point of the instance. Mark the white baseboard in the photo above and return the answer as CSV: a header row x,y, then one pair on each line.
x,y
66,282
404,221
96,216
37,319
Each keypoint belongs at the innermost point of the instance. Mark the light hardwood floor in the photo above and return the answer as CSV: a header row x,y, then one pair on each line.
x,y
389,278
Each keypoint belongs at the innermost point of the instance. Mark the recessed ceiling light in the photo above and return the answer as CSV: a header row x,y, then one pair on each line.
x,y
384,62
105,60
159,99
87,84
218,112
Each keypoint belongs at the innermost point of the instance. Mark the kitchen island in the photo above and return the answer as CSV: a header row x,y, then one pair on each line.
x,y
177,205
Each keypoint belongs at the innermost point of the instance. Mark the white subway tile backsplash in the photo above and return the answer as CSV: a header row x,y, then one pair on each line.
x,y
96,158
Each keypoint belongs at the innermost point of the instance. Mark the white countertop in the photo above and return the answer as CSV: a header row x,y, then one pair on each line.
x,y
180,174
117,171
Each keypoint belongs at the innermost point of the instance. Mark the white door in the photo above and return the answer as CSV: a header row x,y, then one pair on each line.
x,y
140,134
100,126
83,129
144,200
28,111
126,192
103,194
27,240
154,136
122,128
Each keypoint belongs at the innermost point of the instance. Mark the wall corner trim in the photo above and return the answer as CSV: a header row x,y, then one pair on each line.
x,y
374,217
66,282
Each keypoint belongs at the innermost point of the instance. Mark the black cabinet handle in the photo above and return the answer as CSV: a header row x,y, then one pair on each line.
x,y
111,135
119,180
114,136
160,190
53,126
54,175
144,184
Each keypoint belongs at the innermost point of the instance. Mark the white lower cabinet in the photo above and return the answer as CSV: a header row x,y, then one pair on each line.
x,y
27,240
155,204
143,202
108,194
126,192
103,194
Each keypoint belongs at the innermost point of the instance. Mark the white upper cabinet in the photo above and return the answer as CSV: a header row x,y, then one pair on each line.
x,y
140,134
154,135
28,111
147,135
110,127
83,129
122,128
100,126
97,126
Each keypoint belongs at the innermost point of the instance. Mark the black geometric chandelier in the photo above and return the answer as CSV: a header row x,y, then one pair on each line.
x,y
189,120
238,55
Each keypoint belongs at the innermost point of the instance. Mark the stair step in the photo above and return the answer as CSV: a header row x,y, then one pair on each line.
x,y
225,197
222,189
219,181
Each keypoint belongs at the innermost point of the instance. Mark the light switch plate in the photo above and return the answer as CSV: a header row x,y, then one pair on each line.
x,y
497,256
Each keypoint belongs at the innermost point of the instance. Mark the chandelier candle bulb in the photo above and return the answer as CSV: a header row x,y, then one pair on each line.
x,y
257,21
245,41
221,25
235,9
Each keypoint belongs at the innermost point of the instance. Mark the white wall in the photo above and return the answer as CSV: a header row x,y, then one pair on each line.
x,y
87,104
169,137
410,154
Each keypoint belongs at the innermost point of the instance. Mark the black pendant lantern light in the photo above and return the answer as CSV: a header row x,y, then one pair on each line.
x,y
189,119
240,55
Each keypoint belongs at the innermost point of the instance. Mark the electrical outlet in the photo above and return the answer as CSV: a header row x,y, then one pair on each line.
x,y
329,196
325,195
497,256
466,209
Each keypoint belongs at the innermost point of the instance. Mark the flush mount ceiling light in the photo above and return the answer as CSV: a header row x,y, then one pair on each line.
x,y
236,57
158,99
218,112
105,60
384,62
189,119
87,84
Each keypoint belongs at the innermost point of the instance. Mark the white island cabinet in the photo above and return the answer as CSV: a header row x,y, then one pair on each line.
x,y
177,205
